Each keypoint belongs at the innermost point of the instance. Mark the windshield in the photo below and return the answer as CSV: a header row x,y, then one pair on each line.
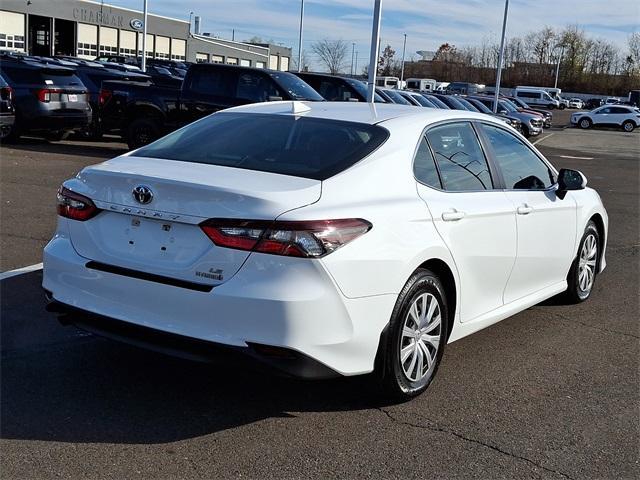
x,y
397,97
284,144
361,88
480,106
296,87
421,100
455,103
471,107
519,102
507,105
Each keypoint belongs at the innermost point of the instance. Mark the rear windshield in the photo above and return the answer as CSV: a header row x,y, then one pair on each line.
x,y
42,76
284,144
296,87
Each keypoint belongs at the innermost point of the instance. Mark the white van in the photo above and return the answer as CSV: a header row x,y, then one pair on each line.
x,y
387,82
421,84
536,97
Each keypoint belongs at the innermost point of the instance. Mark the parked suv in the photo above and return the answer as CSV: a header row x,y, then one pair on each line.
x,y
532,124
50,100
7,112
142,113
337,89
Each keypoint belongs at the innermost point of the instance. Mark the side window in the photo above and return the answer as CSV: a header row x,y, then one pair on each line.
x,y
460,159
254,87
334,91
604,110
520,167
219,82
619,110
424,166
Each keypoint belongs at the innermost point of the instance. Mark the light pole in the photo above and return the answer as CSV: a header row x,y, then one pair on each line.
x,y
355,67
353,52
555,85
300,36
404,49
144,38
375,46
501,58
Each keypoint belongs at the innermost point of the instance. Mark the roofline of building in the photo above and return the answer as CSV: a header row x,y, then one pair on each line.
x,y
135,11
204,38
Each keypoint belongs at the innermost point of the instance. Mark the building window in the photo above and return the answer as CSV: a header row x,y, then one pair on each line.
x,y
108,50
232,61
260,64
245,63
12,42
202,57
284,64
88,49
217,59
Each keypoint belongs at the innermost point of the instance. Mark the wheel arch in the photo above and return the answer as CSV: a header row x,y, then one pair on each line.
x,y
597,219
445,273
145,110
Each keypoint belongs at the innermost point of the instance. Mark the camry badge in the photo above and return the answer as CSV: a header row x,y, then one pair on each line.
x,y
142,194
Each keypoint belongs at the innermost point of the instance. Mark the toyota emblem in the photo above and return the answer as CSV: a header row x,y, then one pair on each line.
x,y
142,194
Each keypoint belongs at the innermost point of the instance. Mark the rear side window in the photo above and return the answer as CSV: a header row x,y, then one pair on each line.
x,y
255,87
284,144
462,164
218,82
21,75
424,166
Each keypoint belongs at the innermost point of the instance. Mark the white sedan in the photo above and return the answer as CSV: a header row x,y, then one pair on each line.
x,y
576,103
621,116
322,239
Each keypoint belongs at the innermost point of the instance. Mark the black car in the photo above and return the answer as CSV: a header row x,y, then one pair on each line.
x,y
593,103
50,100
7,111
392,96
141,112
337,89
451,101
436,101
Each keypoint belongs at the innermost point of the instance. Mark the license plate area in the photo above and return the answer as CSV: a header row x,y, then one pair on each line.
x,y
73,97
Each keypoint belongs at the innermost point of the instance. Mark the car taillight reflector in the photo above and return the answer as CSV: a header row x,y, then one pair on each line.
x,y
6,93
308,239
75,206
104,96
44,94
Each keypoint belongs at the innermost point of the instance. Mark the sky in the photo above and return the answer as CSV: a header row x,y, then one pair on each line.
x,y
427,23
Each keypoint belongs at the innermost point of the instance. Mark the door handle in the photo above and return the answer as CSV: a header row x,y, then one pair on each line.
x,y
452,216
524,209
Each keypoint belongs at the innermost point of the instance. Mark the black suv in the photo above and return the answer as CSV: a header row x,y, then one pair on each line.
x,y
50,100
337,89
7,112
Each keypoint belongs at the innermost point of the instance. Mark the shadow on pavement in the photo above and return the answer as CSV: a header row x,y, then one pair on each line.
x,y
103,149
62,385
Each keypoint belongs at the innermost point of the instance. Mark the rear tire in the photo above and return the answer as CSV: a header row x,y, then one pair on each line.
x,y
584,269
413,344
585,123
628,126
141,132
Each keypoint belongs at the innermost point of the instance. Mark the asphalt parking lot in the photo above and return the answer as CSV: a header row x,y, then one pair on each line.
x,y
550,393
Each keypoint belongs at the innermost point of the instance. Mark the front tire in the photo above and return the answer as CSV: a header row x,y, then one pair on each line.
x,y
584,123
414,343
628,126
584,269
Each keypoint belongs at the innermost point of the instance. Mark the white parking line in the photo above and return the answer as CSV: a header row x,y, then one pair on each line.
x,y
575,158
20,271
543,138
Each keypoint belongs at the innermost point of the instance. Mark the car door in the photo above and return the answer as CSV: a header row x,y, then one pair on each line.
x,y
546,224
475,220
602,116
618,115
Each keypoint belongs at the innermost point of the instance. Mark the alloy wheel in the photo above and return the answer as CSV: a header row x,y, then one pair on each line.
x,y
420,337
587,263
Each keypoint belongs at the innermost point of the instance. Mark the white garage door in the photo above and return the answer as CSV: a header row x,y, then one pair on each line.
x,y
245,63
87,41
108,41
284,64
11,31
149,45
273,62
162,47
127,43
178,49
202,57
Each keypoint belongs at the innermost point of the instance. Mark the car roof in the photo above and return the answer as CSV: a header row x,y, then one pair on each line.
x,y
360,112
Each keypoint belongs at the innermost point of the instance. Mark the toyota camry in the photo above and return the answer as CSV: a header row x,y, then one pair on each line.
x,y
322,239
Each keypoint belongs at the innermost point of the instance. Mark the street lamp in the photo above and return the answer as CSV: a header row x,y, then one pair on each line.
x,y
404,49
300,36
555,85
144,38
375,47
501,58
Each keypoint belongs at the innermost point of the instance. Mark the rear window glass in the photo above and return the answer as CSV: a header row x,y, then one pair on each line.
x,y
284,144
295,86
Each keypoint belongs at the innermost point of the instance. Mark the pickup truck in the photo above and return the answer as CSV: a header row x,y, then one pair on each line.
x,y
143,112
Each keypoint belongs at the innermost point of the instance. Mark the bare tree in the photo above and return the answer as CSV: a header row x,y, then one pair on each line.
x,y
305,62
332,53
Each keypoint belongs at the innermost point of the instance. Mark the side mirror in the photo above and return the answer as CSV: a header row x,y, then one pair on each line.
x,y
570,180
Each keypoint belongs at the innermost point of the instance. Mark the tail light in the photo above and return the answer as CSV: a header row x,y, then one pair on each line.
x,y
104,96
44,94
308,239
75,206
6,93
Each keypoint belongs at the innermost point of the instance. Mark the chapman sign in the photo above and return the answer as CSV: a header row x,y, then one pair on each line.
x,y
101,18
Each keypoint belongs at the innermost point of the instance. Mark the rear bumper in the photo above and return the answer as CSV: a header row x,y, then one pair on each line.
x,y
58,121
272,301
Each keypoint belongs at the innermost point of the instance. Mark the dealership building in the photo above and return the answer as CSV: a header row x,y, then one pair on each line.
x,y
89,29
